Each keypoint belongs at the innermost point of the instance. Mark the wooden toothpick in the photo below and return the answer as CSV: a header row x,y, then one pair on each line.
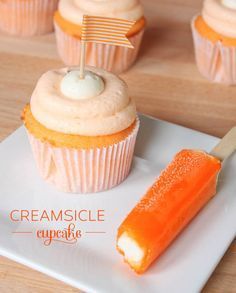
x,y
226,146
82,59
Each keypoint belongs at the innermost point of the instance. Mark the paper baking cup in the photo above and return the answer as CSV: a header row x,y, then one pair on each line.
x,y
82,170
215,61
27,17
112,58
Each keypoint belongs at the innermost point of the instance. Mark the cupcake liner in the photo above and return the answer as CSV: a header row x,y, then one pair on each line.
x,y
215,61
112,58
28,17
84,170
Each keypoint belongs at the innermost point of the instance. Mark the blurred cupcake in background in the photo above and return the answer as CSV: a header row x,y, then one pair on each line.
x,y
82,131
68,24
214,35
27,18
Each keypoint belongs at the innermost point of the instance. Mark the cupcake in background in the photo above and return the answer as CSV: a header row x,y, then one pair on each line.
x,y
68,25
82,131
27,18
214,35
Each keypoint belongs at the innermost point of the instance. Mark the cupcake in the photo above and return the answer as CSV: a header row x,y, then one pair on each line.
x,y
214,35
27,17
68,25
82,131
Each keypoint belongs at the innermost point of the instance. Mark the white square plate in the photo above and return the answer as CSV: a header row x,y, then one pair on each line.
x,y
93,264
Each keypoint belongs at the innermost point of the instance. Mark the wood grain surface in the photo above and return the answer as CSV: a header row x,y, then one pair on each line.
x,y
164,82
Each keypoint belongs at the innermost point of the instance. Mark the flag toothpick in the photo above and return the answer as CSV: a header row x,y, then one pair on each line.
x,y
103,30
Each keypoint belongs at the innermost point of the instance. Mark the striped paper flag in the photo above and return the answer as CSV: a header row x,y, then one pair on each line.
x,y
106,30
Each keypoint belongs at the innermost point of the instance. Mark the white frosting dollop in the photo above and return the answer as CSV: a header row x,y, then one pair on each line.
x,y
229,3
73,10
74,87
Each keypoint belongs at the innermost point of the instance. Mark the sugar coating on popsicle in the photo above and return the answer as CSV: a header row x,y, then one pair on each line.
x,y
181,190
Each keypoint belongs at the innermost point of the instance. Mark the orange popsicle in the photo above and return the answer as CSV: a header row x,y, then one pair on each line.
x,y
182,189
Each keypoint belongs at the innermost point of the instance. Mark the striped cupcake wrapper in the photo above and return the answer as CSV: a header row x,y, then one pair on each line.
x,y
215,61
28,17
84,170
112,58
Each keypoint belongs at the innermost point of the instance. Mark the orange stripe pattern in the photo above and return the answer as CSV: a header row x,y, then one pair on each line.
x,y
106,30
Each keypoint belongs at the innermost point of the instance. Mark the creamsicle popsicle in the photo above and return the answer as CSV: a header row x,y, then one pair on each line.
x,y
182,189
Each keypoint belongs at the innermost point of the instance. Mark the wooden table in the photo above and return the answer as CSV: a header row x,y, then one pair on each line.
x,y
164,82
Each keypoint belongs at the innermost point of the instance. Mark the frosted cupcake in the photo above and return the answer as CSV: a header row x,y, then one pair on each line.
x,y
27,17
82,131
68,24
214,34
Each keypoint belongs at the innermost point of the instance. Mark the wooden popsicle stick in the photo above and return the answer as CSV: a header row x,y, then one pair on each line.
x,y
226,146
